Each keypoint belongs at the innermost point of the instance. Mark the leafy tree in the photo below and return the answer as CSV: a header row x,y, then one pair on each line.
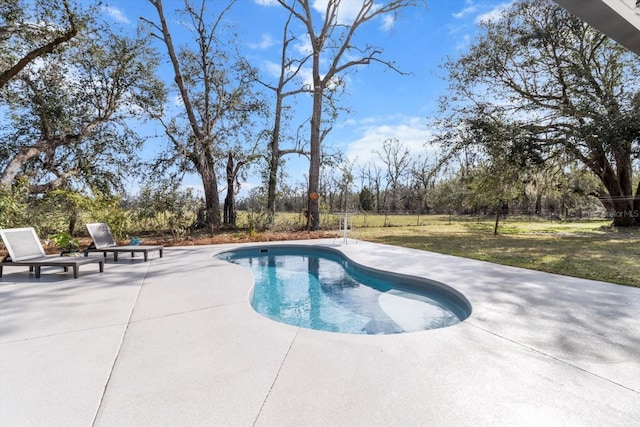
x,y
13,205
493,185
215,86
68,203
366,199
449,195
67,114
423,174
336,182
30,30
372,173
110,210
567,91
163,204
334,52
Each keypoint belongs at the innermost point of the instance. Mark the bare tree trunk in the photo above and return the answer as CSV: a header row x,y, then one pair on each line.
x,y
272,183
538,207
495,227
210,184
636,205
73,220
274,145
229,217
621,204
313,219
274,159
288,71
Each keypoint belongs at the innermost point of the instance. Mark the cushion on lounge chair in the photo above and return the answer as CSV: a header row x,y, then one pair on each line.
x,y
101,235
25,249
104,242
22,243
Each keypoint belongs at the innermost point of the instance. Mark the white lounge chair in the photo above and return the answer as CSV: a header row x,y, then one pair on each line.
x,y
25,249
104,242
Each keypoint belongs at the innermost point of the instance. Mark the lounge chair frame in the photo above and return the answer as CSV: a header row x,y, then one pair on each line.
x,y
103,241
36,258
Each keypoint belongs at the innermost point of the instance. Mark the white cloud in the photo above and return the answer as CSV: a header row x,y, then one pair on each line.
x,y
387,22
303,45
347,11
411,132
116,14
266,2
493,14
266,41
306,75
271,68
464,12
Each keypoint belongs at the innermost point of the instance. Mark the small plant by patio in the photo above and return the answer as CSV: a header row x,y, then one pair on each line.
x,y
67,245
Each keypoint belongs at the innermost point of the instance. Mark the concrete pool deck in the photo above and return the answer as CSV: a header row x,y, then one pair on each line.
x,y
174,341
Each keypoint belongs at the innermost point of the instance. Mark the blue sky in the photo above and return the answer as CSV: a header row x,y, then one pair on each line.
x,y
383,103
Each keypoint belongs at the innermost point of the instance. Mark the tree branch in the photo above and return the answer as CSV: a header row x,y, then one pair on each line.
x,y
42,50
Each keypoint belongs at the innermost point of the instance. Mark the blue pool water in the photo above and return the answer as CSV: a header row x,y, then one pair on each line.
x,y
319,288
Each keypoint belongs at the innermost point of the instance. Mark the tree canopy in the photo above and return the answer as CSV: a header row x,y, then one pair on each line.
x,y
66,115
551,87
28,33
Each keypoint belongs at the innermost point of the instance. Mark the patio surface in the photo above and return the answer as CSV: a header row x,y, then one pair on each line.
x,y
174,342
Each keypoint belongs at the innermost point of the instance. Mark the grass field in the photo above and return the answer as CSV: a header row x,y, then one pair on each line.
x,y
586,249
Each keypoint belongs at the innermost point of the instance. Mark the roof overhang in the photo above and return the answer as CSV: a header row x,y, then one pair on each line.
x,y
618,19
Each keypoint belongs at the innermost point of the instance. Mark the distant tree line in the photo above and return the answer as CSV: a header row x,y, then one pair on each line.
x,y
395,184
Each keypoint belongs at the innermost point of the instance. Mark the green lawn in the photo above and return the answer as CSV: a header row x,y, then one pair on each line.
x,y
587,249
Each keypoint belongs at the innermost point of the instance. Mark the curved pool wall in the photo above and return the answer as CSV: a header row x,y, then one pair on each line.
x,y
455,301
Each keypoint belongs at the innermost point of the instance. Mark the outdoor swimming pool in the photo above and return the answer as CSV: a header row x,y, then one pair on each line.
x,y
319,288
